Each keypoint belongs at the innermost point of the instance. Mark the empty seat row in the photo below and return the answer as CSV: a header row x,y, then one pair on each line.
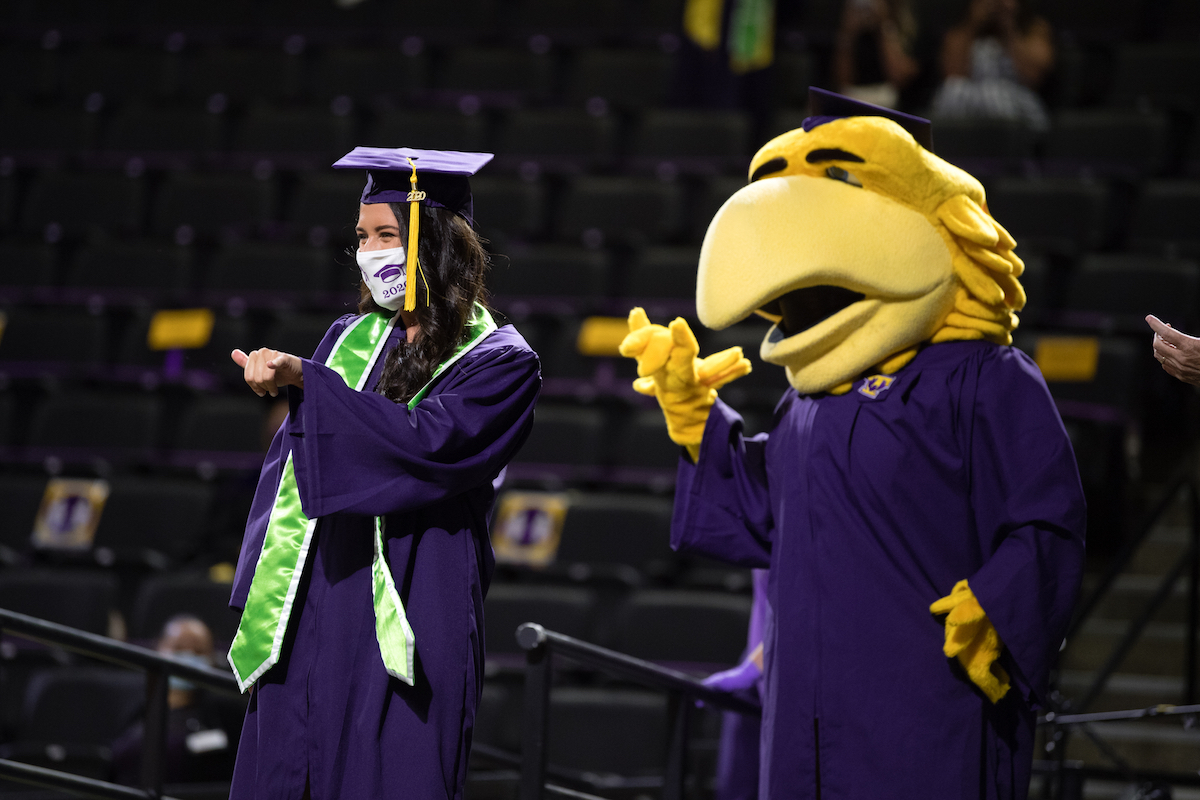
x,y
84,599
193,206
668,625
1112,290
135,427
655,624
1071,216
573,138
530,278
67,718
149,270
565,20
269,273
285,72
287,69
600,733
1068,215
314,135
162,521
66,342
117,347
1129,144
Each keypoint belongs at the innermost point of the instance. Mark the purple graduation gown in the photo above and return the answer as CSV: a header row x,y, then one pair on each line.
x,y
867,510
737,755
328,713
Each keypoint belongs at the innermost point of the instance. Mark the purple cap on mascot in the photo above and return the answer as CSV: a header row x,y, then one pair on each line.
x,y
826,106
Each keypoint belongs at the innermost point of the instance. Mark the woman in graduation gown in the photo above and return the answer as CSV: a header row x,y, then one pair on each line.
x,y
366,556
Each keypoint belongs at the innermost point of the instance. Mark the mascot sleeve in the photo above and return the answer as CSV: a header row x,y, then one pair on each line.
x,y
722,507
1027,497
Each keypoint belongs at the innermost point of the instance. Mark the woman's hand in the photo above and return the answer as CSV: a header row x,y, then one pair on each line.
x,y
265,370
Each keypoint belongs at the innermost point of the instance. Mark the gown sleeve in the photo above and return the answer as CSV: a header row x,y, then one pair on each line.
x,y
268,487
361,453
722,501
1030,515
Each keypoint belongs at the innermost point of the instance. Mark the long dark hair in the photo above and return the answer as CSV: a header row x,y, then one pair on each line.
x,y
455,264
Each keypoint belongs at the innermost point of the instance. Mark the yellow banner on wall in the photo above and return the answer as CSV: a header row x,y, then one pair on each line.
x,y
1067,358
601,336
184,328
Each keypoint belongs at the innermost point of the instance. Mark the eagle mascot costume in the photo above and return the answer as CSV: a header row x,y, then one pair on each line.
x,y
916,497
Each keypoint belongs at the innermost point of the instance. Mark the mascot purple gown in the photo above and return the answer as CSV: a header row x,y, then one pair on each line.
x,y
916,498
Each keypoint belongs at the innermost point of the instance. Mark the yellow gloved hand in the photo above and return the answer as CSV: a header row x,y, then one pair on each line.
x,y
972,639
669,369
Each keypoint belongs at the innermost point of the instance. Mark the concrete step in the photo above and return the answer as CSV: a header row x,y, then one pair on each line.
x,y
1112,790
1162,548
1123,691
1130,594
1164,545
1158,651
1144,744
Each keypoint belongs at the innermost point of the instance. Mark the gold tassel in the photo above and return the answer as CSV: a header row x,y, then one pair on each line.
x,y
414,233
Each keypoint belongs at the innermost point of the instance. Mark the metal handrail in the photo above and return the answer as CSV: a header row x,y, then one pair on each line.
x,y
113,651
1181,478
531,636
1188,563
1162,710
73,784
541,645
158,669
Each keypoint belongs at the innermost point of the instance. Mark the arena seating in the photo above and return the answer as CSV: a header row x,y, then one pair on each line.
x,y
158,156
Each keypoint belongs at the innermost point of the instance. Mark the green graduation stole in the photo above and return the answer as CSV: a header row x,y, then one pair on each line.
x,y
259,638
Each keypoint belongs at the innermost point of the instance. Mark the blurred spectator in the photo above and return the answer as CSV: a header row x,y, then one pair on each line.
x,y
727,57
201,730
994,61
872,57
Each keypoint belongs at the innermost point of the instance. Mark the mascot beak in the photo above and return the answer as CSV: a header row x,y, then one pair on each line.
x,y
845,271
780,235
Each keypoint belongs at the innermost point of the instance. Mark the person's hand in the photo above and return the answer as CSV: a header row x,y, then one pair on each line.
x,y
972,639
738,679
669,368
1178,353
265,370
741,678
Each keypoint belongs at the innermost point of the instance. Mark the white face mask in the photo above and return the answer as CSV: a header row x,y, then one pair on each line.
x,y
385,274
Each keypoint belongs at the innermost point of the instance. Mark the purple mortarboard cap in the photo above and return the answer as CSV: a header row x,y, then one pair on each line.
x,y
441,174
826,106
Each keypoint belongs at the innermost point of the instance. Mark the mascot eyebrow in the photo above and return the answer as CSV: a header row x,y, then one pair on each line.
x,y
827,154
769,168
824,154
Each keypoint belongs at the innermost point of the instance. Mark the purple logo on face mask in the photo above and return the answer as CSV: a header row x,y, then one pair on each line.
x,y
390,272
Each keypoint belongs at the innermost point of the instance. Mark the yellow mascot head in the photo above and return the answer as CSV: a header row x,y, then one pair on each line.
x,y
860,244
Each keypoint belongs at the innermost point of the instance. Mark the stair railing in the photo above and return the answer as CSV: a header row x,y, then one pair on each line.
x,y
158,669
542,645
1188,563
1070,715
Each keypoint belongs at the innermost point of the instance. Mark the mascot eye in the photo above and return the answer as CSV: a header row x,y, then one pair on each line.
x,y
839,174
